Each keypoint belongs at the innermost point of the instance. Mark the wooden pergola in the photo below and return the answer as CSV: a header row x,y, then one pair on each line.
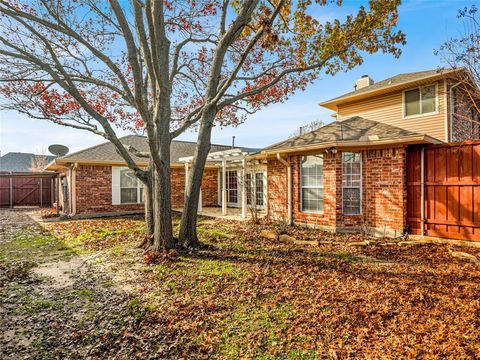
x,y
223,159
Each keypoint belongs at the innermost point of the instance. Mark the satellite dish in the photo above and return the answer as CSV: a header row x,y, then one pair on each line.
x,y
58,150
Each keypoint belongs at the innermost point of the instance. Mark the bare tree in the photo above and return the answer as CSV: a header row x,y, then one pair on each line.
x,y
463,54
253,182
311,126
38,162
163,67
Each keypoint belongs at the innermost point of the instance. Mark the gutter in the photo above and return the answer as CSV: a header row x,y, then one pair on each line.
x,y
332,103
414,139
289,187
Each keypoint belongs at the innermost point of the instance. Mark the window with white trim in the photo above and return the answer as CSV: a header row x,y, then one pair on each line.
x,y
352,183
312,183
422,100
131,189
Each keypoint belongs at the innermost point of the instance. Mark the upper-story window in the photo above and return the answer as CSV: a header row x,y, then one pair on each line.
x,y
422,100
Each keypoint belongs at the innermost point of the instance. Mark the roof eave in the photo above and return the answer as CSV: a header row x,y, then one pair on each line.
x,y
406,140
333,103
61,164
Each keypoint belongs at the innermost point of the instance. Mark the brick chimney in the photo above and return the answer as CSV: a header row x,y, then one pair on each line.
x,y
364,81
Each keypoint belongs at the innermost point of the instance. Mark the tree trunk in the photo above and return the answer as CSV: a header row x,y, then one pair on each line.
x,y
188,225
149,221
162,204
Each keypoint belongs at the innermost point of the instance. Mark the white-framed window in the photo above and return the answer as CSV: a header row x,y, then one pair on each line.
x,y
311,182
352,183
255,188
126,188
420,101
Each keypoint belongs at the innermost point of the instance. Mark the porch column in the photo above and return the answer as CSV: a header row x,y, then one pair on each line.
x,y
186,183
57,193
244,195
200,202
224,186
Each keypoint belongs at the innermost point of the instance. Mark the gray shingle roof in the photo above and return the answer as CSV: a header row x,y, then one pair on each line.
x,y
392,81
22,162
352,129
107,152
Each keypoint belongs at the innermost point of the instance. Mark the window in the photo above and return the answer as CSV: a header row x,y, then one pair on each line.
x,y
232,187
352,183
420,101
131,189
254,188
312,183
259,188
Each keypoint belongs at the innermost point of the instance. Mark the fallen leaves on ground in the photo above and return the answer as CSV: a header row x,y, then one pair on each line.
x,y
244,296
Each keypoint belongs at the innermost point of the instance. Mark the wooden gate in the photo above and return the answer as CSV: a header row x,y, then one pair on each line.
x,y
25,190
451,190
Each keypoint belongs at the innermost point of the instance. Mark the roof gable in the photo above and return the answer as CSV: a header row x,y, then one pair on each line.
x,y
355,129
106,152
390,84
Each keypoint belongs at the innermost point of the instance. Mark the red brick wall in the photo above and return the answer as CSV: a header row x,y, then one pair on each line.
x,y
178,187
277,190
328,217
210,187
94,190
385,184
383,196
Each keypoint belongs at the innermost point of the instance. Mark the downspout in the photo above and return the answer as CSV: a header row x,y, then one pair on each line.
x,y
422,191
289,187
452,104
72,190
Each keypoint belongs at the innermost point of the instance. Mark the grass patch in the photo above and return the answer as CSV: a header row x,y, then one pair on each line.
x,y
84,294
350,258
31,245
34,304
261,324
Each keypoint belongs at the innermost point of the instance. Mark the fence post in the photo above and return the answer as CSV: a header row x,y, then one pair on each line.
x,y
11,192
422,190
41,192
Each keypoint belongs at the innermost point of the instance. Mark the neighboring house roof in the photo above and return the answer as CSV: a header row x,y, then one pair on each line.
x,y
391,84
355,131
23,162
107,153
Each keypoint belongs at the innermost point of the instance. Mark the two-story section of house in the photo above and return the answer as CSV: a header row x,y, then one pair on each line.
x,y
351,174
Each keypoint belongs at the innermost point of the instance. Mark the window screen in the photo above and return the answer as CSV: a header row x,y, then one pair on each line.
x,y
312,183
352,183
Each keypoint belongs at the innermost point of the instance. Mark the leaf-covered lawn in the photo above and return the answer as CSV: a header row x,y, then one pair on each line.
x,y
249,297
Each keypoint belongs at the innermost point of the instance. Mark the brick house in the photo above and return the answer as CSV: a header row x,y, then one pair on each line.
x,y
351,175
96,181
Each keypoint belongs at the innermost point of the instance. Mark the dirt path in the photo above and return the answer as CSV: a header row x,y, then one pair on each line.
x,y
54,302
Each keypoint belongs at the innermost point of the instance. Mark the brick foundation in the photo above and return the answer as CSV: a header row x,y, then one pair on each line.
x,y
94,190
383,196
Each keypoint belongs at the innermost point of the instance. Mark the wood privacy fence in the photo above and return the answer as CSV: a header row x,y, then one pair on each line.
x,y
20,189
449,188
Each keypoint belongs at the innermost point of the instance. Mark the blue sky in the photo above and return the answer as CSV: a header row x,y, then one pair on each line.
x,y
427,24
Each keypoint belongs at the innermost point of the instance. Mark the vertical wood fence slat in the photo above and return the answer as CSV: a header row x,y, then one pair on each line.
x,y
452,190
26,191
